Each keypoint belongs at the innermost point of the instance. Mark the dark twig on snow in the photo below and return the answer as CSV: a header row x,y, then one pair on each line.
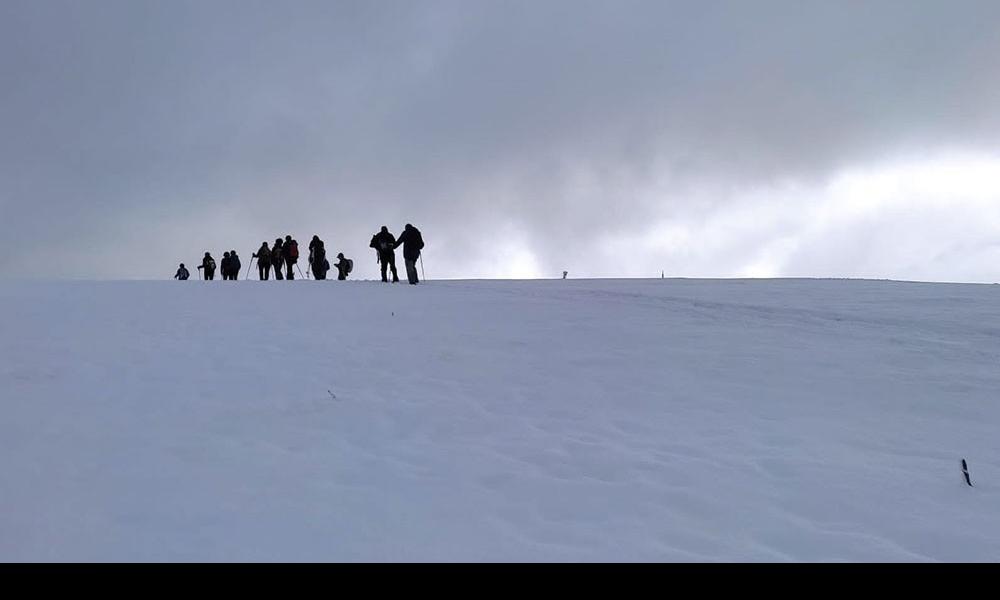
x,y
965,472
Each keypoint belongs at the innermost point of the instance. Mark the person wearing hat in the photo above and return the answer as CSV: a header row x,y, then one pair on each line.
x,y
208,264
344,267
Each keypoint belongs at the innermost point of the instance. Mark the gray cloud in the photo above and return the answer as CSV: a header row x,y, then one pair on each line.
x,y
561,134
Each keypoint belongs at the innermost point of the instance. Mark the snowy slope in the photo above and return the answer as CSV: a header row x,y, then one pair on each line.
x,y
628,420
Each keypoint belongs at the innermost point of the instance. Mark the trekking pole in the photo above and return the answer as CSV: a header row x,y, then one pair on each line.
x,y
300,271
422,272
250,267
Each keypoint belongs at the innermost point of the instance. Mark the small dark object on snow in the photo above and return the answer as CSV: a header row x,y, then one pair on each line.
x,y
332,395
965,471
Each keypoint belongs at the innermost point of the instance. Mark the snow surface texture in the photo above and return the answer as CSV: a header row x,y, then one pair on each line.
x,y
620,420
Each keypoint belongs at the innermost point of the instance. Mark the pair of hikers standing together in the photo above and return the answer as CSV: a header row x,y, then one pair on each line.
x,y
385,245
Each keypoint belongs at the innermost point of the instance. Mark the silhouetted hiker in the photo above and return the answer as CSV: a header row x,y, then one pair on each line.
x,y
385,244
344,267
313,244
182,273
290,252
317,259
277,258
208,263
412,243
225,266
263,256
235,266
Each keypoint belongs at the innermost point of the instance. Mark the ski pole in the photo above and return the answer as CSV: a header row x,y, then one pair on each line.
x,y
422,272
300,270
250,267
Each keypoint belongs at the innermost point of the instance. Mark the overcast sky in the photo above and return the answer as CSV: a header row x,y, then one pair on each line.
x,y
607,138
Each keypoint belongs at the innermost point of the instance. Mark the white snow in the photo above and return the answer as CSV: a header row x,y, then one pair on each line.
x,y
619,420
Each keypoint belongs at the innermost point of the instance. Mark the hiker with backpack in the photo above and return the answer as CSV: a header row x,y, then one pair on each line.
x,y
412,243
208,264
317,258
344,267
277,258
235,266
384,244
290,252
263,256
182,273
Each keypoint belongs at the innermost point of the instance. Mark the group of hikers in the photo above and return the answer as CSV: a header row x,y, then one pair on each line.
x,y
283,258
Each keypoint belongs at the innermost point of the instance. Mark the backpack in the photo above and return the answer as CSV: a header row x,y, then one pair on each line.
x,y
350,265
293,251
210,264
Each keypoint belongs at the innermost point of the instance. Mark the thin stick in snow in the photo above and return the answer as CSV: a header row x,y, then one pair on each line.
x,y
965,471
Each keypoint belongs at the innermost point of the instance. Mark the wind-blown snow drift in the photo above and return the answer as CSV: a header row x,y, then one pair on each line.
x,y
549,420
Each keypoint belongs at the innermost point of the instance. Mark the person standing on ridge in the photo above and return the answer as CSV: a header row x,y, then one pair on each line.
x,y
312,247
344,267
313,244
412,243
317,259
235,266
208,264
290,252
263,256
225,266
385,244
182,273
277,258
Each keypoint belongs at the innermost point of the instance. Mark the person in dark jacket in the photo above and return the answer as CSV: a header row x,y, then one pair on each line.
x,y
317,259
235,266
385,244
208,264
312,247
263,256
290,252
182,273
277,258
314,243
225,266
412,243
344,267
